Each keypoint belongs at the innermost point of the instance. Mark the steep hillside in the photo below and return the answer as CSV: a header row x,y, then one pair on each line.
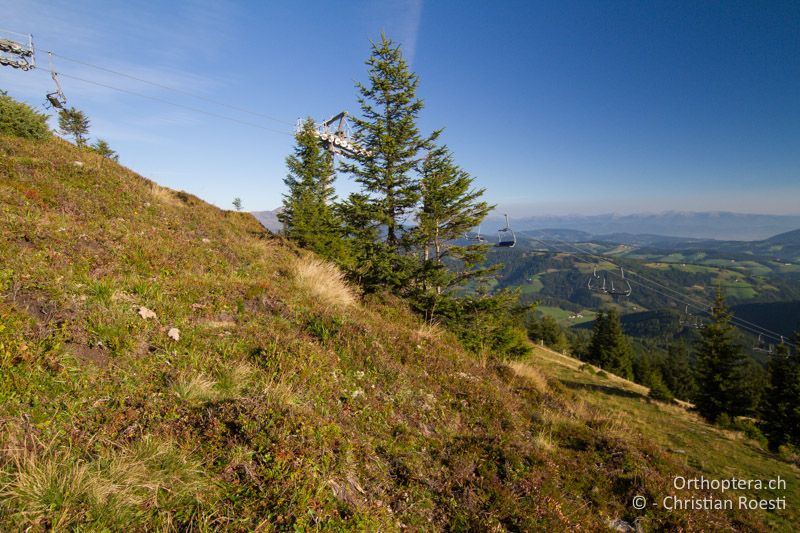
x,y
168,365
717,453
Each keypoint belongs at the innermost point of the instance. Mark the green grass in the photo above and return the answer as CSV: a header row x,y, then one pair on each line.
x,y
289,402
715,452
563,317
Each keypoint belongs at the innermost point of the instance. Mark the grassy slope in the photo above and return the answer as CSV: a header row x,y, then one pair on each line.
x,y
282,405
716,453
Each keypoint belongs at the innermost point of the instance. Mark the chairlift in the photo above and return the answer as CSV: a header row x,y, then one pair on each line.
x,y
506,237
338,141
616,291
688,320
477,237
17,55
597,283
57,99
762,346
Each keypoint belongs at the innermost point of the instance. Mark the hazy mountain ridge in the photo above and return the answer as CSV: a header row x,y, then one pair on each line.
x,y
269,219
696,225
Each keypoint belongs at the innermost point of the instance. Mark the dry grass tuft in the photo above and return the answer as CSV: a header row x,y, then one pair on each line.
x,y
51,488
198,388
232,381
165,195
544,440
429,332
533,374
323,281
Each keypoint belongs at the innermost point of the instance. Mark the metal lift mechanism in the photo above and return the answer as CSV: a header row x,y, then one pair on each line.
x,y
17,55
338,140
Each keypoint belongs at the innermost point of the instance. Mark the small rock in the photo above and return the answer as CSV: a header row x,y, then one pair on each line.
x,y
77,163
174,334
146,313
205,240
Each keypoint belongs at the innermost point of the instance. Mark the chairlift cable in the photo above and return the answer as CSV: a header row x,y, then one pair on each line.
x,y
174,89
164,101
14,33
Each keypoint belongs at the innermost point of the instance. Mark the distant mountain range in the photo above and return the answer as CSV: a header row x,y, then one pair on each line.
x,y
781,247
693,225
269,219
669,229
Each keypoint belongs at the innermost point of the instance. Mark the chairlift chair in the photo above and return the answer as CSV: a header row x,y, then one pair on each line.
x,y
506,237
688,320
616,291
57,98
597,283
761,346
478,237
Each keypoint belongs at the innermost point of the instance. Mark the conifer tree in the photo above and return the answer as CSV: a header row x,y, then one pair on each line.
x,y
308,216
780,409
389,134
449,207
677,372
720,364
104,149
609,347
75,123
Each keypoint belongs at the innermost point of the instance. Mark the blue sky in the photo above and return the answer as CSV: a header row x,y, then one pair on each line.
x,y
554,107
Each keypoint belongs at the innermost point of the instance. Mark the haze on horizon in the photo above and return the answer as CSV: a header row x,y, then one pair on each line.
x,y
556,108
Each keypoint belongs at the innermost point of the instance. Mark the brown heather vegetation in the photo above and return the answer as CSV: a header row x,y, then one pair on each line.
x,y
288,403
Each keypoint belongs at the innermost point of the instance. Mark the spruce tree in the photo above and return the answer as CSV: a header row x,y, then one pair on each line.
x,y
75,123
449,207
677,372
609,347
780,409
720,363
389,134
308,216
598,340
104,149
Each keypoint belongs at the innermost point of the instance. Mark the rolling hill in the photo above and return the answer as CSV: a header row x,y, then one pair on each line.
x,y
167,365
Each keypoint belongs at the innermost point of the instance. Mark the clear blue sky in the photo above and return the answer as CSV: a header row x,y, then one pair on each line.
x,y
555,107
